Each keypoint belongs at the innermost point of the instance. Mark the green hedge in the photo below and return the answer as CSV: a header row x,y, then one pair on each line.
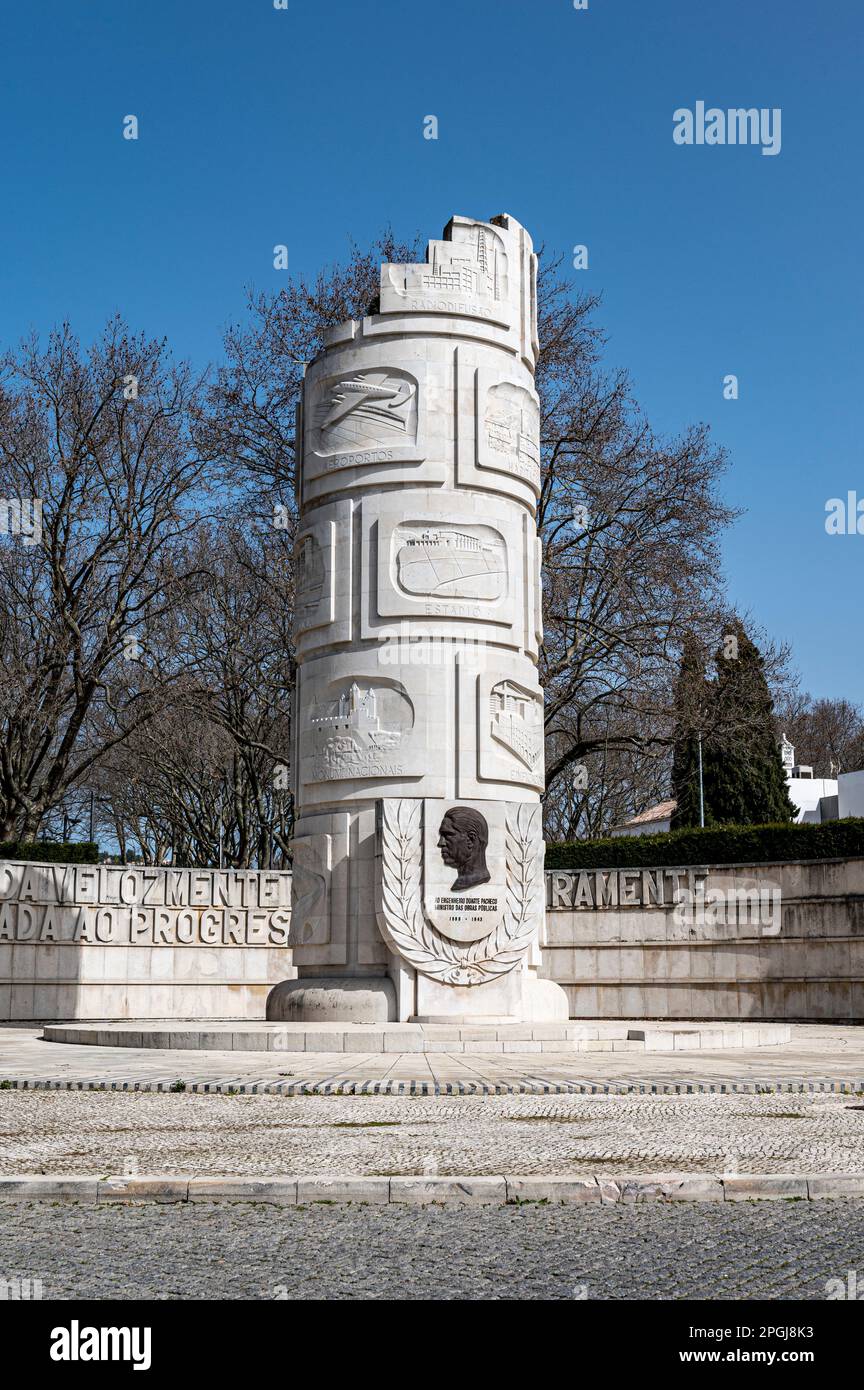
x,y
732,844
41,852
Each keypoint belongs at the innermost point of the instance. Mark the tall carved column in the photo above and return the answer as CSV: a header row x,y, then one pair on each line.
x,y
418,756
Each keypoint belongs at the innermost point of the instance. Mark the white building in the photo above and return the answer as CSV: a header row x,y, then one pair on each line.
x,y
651,822
817,798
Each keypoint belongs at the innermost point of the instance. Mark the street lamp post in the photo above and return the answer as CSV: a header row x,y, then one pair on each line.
x,y
701,789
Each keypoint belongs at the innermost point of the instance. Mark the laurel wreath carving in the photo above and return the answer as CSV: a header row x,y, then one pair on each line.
x,y
403,921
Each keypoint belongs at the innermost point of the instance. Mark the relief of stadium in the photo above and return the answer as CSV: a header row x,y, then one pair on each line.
x,y
447,561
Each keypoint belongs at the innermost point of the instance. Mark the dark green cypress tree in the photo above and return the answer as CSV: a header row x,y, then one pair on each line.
x,y
742,768
744,782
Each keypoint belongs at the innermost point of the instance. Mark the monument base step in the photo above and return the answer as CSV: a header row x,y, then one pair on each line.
x,y
527,1038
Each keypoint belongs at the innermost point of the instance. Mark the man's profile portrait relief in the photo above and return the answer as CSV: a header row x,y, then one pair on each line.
x,y
462,839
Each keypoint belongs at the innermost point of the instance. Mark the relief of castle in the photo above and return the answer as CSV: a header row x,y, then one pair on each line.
x,y
352,727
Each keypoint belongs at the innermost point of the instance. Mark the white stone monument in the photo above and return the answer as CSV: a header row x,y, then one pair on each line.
x,y
418,744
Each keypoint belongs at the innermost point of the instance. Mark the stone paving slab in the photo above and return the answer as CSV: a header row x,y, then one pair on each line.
x,y
817,1058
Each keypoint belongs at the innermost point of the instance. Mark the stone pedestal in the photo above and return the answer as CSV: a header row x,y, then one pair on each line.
x,y
418,753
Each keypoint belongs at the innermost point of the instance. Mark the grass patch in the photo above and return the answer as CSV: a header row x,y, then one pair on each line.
x,y
552,1119
364,1124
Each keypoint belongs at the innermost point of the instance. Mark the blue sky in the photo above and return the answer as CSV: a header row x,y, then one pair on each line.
x,y
304,126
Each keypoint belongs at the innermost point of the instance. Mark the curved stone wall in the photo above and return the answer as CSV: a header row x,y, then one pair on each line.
x,y
766,941
770,942
98,941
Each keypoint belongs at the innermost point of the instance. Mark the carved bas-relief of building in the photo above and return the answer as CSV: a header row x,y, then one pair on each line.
x,y
467,273
512,430
418,755
451,561
517,722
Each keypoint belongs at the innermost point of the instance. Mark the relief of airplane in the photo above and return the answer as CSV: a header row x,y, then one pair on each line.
x,y
347,395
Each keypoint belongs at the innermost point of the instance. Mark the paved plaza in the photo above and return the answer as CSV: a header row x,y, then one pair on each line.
x,y
97,1133
94,1111
798,1108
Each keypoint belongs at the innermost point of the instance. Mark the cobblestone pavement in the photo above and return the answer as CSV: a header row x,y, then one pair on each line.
x,y
770,1250
818,1056
95,1133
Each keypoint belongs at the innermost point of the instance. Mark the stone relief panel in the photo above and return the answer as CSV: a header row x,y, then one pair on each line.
x,y
477,926
449,560
515,717
465,274
311,864
357,411
373,715
369,421
358,728
450,569
362,416
478,282
503,728
508,429
538,591
323,578
496,425
532,552
314,568
320,889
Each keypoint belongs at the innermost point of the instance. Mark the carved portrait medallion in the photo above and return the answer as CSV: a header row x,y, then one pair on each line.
x,y
474,932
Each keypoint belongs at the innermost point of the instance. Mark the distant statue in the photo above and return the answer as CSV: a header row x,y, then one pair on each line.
x,y
462,839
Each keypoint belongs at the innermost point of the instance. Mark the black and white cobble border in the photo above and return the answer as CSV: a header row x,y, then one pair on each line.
x,y
529,1086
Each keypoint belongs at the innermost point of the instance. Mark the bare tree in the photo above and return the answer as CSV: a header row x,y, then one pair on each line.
x,y
630,524
183,742
206,780
101,444
828,734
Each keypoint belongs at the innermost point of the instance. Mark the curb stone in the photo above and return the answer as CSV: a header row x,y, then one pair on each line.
x,y
487,1189
836,1185
141,1189
779,1186
25,1187
467,1191
278,1190
343,1189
